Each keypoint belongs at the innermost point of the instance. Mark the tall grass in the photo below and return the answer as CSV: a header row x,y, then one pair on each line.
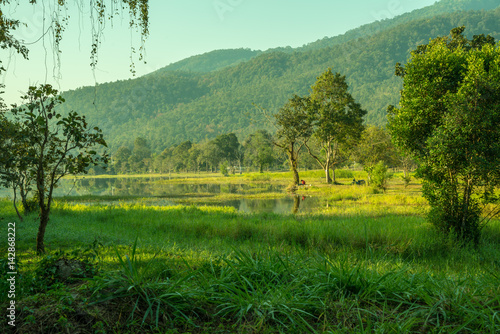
x,y
356,267
218,230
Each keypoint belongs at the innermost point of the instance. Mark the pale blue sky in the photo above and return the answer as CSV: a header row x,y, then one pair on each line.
x,y
179,29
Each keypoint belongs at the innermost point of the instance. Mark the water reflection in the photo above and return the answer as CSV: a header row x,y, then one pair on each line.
x,y
153,187
162,192
286,205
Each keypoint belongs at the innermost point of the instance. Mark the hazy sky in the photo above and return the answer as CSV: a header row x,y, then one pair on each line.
x,y
179,29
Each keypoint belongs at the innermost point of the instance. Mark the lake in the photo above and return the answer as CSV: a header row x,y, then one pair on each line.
x,y
160,191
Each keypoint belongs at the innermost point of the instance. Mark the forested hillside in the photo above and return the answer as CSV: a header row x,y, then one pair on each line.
x,y
168,107
211,61
383,23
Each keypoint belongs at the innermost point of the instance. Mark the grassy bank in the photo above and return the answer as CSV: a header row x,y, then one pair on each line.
x,y
146,268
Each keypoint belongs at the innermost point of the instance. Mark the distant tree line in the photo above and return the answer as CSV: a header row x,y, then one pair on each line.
x,y
256,153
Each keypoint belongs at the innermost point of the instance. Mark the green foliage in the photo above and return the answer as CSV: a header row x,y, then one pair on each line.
x,y
449,120
293,122
296,275
151,299
263,290
121,160
385,21
63,268
375,146
380,176
406,179
101,13
53,146
14,160
211,61
258,150
209,269
224,168
337,121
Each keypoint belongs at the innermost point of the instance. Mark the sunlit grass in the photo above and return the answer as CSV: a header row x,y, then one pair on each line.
x,y
364,261
221,229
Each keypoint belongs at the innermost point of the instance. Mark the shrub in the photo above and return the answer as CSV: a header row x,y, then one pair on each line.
x,y
380,176
223,168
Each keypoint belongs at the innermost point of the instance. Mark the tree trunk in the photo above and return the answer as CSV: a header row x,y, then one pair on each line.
x,y
15,206
466,229
294,165
327,169
24,199
44,219
334,180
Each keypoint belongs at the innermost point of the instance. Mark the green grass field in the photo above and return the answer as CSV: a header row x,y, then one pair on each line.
x,y
366,263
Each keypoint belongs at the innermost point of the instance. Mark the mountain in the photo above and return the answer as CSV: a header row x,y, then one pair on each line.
x,y
383,23
211,61
216,92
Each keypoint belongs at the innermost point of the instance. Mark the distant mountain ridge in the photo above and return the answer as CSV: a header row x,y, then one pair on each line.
x,y
218,59
215,92
384,23
212,61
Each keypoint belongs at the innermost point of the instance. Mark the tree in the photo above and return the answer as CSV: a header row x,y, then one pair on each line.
x,y
164,161
180,155
140,159
224,148
228,146
209,154
449,121
375,146
121,160
194,158
58,146
379,176
258,149
293,122
338,120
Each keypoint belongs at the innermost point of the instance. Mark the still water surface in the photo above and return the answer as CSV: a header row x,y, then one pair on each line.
x,y
160,191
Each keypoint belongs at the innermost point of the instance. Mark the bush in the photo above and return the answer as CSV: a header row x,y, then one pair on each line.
x,y
406,179
223,168
380,176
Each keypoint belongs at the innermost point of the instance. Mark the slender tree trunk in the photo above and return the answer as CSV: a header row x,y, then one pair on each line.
x,y
24,199
293,157
327,170
15,206
44,219
294,165
465,230
44,210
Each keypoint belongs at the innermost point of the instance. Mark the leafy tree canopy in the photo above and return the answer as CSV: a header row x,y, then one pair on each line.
x,y
449,121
